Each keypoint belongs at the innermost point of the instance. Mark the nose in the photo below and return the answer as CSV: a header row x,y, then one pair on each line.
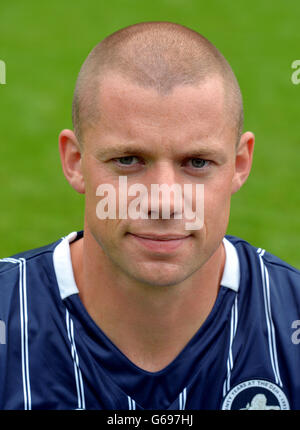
x,y
165,193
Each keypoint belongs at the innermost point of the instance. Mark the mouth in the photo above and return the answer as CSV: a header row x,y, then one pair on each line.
x,y
160,243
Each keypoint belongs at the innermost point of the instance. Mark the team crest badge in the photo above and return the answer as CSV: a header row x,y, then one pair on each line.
x,y
255,394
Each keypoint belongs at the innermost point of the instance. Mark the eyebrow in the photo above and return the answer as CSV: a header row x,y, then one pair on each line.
x,y
197,150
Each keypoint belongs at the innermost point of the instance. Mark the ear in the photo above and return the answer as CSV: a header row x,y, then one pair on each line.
x,y
70,154
243,160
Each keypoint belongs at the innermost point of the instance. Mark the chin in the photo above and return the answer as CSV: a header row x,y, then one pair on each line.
x,y
162,276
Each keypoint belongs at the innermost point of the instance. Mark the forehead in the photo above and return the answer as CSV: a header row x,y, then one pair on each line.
x,y
187,113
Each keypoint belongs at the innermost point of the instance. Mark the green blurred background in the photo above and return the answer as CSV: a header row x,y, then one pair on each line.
x,y
44,44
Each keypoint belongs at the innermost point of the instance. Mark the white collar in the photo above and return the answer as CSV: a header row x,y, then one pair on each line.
x,y
231,272
63,267
67,285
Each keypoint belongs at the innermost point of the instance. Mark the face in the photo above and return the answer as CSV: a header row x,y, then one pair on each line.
x,y
181,138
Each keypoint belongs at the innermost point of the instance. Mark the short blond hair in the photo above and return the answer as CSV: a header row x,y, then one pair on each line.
x,y
159,55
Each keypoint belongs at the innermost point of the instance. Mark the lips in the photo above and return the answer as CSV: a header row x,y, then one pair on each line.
x,y
160,243
161,237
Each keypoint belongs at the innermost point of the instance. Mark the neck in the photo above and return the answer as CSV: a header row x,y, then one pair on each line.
x,y
150,325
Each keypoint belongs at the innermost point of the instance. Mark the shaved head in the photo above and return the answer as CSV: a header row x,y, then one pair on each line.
x,y
158,55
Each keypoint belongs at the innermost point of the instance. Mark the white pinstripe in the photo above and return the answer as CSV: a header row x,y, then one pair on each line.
x,y
182,399
24,329
77,371
131,404
269,320
233,327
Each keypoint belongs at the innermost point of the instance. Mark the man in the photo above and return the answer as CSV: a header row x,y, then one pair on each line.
x,y
143,312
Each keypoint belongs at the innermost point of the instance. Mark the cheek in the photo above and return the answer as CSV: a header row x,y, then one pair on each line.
x,y
107,233
217,201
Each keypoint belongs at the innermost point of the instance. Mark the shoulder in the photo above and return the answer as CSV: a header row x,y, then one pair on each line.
x,y
29,278
36,266
31,269
14,262
270,259
272,270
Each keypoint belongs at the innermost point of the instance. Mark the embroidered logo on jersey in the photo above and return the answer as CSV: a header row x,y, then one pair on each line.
x,y
256,394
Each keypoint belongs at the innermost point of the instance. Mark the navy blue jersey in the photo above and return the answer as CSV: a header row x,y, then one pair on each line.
x,y
246,355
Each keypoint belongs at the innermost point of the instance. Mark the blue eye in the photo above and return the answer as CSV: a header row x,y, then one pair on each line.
x,y
126,161
198,163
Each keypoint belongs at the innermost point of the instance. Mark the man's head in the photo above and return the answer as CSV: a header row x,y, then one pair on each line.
x,y
158,55
157,103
